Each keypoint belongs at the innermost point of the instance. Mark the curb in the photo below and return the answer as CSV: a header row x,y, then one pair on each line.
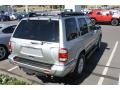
x,y
19,77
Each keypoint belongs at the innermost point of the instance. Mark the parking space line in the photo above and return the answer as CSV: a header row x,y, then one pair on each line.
x,y
108,64
13,68
119,80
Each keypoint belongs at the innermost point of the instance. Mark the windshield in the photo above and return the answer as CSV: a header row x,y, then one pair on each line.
x,y
41,30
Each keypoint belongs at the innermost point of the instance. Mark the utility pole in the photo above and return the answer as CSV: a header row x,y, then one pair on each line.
x,y
11,6
26,8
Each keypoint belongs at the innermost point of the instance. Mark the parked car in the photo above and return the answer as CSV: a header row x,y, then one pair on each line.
x,y
12,17
5,34
32,14
16,16
54,45
115,13
37,13
4,18
104,16
85,11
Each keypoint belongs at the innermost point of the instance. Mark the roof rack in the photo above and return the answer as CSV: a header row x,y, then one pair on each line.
x,y
64,13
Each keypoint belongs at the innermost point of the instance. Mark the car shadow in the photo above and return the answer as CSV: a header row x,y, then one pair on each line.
x,y
76,80
105,23
4,58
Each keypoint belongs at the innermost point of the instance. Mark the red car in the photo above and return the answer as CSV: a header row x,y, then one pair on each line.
x,y
103,16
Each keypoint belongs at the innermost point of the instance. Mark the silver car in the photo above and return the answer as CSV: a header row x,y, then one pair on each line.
x,y
54,45
5,34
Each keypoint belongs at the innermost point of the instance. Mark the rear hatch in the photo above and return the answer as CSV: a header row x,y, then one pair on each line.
x,y
37,40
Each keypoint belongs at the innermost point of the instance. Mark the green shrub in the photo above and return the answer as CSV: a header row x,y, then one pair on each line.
x,y
6,80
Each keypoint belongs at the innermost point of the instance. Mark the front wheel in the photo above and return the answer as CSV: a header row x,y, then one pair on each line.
x,y
80,65
115,22
93,21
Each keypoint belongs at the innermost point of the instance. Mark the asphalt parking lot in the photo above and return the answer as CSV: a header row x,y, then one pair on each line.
x,y
103,67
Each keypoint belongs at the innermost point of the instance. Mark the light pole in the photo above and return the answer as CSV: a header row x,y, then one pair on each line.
x,y
11,6
26,8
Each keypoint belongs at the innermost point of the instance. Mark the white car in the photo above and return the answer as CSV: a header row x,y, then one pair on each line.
x,y
12,17
5,34
116,13
55,44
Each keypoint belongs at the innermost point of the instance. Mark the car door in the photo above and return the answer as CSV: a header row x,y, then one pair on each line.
x,y
99,16
84,33
107,16
73,44
93,33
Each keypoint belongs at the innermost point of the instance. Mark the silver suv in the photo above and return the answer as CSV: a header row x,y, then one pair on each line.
x,y
54,44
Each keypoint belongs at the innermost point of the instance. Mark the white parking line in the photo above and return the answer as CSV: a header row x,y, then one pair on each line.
x,y
13,68
119,80
108,64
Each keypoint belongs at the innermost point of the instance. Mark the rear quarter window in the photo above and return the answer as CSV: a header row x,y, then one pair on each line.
x,y
71,28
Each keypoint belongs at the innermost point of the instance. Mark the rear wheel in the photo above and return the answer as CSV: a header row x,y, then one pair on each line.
x,y
3,52
80,65
99,44
114,22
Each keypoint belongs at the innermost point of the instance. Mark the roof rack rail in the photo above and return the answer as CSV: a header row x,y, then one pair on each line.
x,y
64,13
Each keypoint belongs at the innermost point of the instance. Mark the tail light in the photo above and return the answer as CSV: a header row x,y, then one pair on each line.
x,y
63,55
10,46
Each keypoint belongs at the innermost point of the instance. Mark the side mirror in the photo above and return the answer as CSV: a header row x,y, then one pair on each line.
x,y
96,27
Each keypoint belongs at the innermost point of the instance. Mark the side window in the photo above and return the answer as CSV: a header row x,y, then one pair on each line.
x,y
83,26
99,13
71,29
90,13
90,25
88,20
9,29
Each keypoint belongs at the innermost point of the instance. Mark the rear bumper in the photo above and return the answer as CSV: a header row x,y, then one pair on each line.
x,y
55,70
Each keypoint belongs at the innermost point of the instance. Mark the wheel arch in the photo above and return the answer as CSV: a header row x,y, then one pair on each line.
x,y
115,18
76,65
78,55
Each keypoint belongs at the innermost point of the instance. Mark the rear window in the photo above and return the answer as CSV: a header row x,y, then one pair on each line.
x,y
41,30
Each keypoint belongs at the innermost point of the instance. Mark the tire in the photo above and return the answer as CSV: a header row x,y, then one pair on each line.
x,y
115,22
93,21
99,44
3,52
80,66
